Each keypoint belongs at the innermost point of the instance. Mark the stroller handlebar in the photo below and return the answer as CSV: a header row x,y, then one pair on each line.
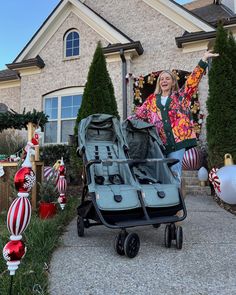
x,y
132,162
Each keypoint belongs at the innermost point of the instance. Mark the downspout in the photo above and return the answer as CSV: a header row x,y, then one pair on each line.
x,y
124,85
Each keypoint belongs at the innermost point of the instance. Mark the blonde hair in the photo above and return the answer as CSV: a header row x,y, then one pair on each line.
x,y
174,87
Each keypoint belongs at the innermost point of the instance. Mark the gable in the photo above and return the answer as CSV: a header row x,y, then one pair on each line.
x,y
58,16
173,11
179,15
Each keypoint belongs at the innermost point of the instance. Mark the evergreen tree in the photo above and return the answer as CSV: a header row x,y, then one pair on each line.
x,y
98,94
221,103
232,52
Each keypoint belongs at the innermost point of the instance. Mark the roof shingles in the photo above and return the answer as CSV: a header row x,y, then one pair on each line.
x,y
209,11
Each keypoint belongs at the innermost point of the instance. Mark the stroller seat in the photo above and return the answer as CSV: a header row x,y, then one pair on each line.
x,y
158,185
111,180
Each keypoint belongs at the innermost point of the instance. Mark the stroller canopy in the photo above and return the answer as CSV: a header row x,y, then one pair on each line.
x,y
90,126
141,138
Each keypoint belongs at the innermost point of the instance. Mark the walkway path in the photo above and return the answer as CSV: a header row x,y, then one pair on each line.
x,y
205,266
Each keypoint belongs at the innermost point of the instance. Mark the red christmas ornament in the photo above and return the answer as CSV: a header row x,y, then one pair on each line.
x,y
18,216
24,179
62,170
62,200
13,252
35,139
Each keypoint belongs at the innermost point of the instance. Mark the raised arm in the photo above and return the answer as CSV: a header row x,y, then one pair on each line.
x,y
194,78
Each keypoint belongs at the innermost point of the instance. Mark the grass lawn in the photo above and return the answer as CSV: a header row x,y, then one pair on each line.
x,y
41,238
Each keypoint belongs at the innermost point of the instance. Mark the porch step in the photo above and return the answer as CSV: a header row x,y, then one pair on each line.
x,y
192,185
197,190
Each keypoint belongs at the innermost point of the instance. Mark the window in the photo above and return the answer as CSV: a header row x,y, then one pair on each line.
x,y
72,44
62,110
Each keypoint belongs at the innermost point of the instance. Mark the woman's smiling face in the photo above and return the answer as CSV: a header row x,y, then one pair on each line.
x,y
166,82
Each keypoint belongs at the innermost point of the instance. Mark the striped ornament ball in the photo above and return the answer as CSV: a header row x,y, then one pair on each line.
x,y
192,159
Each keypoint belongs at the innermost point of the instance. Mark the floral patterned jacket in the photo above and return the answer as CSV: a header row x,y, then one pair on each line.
x,y
173,121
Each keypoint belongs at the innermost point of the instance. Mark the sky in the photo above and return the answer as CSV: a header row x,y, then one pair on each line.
x,y
19,20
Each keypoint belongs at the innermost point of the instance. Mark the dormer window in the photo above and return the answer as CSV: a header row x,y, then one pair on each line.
x,y
72,44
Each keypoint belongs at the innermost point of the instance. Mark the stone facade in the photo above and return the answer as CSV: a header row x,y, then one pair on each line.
x,y
11,97
139,22
59,73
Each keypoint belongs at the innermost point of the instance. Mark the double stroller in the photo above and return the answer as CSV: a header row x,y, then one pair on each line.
x,y
127,182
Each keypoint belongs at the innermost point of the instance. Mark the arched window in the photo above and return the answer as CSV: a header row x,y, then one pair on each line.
x,y
72,44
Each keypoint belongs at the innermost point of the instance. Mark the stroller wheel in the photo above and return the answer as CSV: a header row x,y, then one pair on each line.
x,y
132,245
168,236
179,237
119,243
80,226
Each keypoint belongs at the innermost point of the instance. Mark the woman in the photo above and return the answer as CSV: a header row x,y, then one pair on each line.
x,y
169,110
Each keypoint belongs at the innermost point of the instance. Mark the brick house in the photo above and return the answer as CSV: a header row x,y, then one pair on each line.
x,y
144,36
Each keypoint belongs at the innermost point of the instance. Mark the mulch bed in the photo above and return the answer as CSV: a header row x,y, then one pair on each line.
x,y
222,204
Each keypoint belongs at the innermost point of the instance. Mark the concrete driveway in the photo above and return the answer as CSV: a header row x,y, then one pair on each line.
x,y
205,266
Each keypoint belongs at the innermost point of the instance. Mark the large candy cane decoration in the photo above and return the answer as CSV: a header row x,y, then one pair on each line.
x,y
214,179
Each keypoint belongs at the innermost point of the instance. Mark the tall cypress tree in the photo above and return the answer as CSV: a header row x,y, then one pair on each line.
x,y
232,52
221,103
98,94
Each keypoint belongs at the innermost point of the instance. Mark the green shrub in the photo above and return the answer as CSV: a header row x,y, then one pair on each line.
x,y
221,103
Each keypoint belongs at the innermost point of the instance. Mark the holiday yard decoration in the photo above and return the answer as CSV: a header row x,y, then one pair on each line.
x,y
48,196
202,176
62,185
57,175
19,215
224,181
192,159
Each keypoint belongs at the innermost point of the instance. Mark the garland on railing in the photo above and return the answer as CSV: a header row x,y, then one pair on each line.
x,y
143,86
12,119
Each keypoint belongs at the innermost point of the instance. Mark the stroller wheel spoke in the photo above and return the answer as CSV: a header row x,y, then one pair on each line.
x,y
131,245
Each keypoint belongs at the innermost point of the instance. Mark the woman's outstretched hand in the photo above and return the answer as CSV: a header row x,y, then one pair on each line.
x,y
209,54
